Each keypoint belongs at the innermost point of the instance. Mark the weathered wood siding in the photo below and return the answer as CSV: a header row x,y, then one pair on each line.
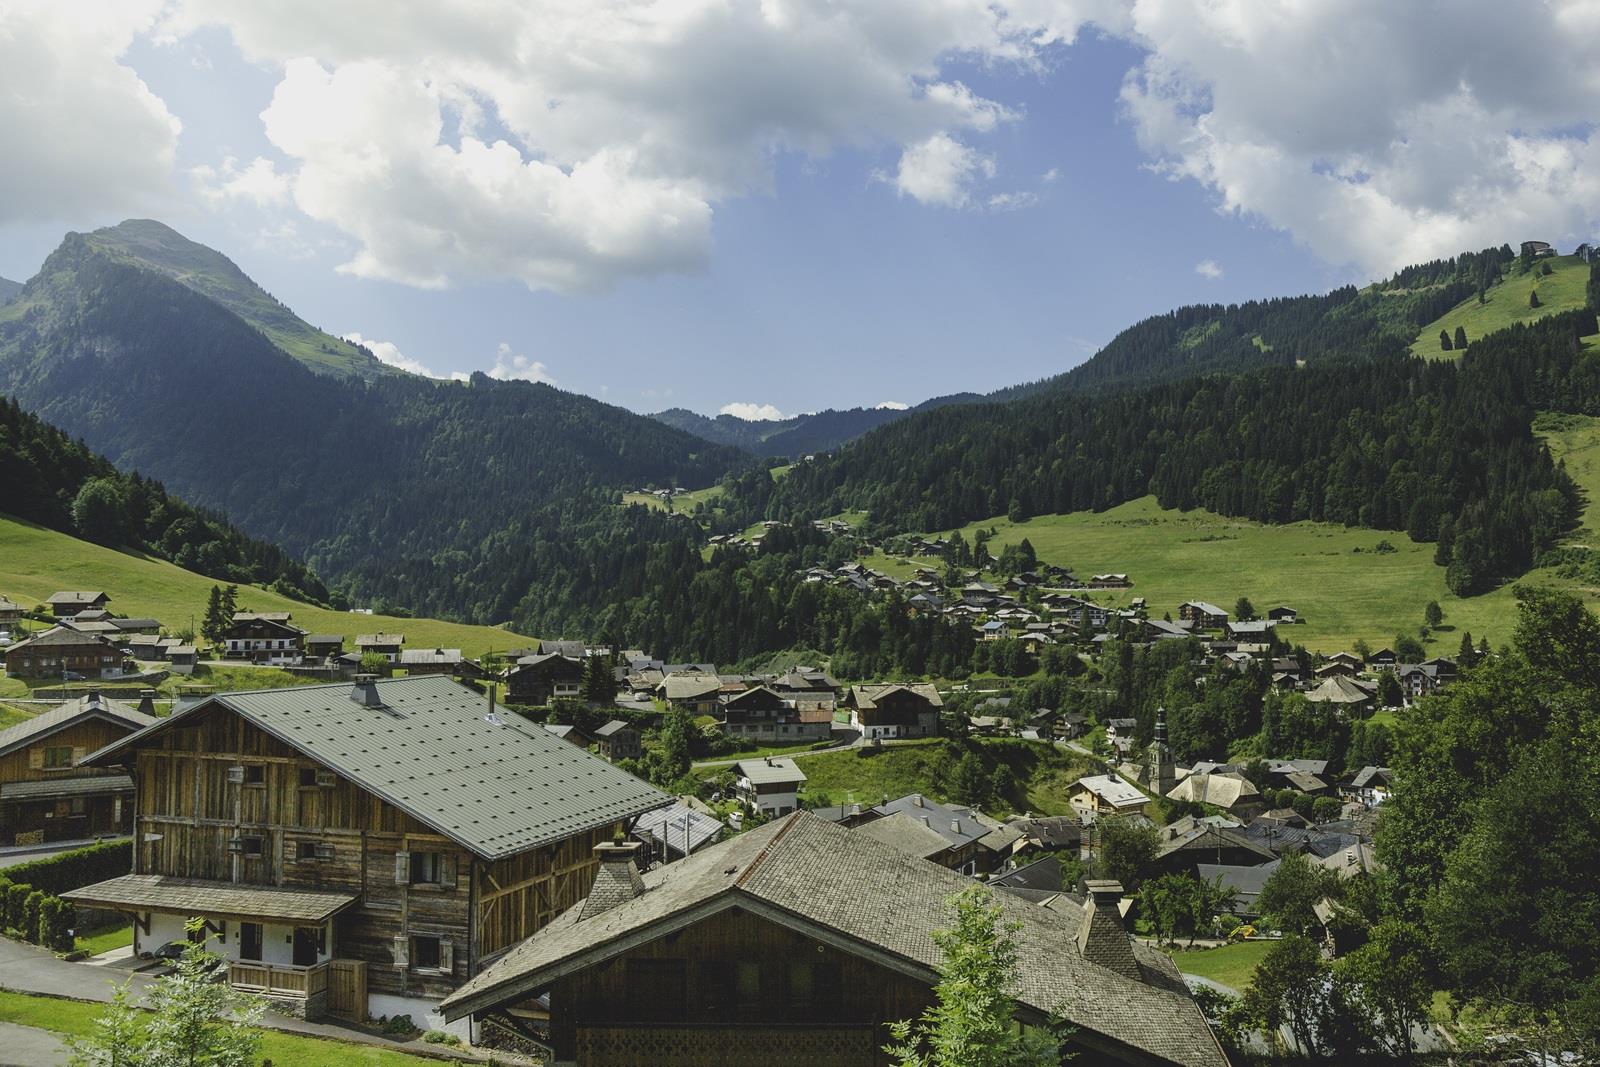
x,y
27,764
188,810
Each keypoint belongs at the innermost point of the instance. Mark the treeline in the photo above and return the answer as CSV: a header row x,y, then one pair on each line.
x,y
1378,322
1439,450
49,479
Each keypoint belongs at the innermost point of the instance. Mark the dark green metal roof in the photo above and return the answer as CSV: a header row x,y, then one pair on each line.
x,y
497,786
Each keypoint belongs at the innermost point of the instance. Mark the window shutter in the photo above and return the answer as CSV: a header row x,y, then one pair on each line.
x,y
78,752
447,870
447,955
401,950
402,868
36,759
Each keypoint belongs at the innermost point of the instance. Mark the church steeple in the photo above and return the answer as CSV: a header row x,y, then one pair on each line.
x,y
1160,772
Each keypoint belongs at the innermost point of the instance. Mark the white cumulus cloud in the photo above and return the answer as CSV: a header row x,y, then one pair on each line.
x,y
1208,268
942,171
389,352
257,182
509,366
892,405
82,132
753,412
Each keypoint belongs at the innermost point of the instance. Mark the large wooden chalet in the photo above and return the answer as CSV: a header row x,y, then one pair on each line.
x,y
264,637
538,679
359,850
762,714
46,791
895,710
63,651
795,944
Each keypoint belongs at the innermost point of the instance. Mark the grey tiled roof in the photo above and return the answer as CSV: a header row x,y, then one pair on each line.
x,y
185,896
906,833
93,785
813,875
495,787
70,714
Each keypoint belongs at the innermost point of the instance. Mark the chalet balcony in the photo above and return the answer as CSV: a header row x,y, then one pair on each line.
x,y
279,979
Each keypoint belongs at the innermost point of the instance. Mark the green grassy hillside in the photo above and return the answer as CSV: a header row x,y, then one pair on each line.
x,y
1507,303
151,244
35,562
1343,587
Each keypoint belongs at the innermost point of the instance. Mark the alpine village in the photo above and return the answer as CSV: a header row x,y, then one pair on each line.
x,y
1227,694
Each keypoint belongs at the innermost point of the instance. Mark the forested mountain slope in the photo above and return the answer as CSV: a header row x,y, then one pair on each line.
x,y
48,479
448,497
8,291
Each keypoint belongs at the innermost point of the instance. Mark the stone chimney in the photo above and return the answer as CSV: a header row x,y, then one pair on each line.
x,y
617,882
365,691
147,701
1102,939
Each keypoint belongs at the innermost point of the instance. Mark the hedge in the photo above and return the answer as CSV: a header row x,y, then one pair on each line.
x,y
29,900
73,870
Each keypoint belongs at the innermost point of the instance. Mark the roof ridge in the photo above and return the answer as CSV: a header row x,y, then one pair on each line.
x,y
766,848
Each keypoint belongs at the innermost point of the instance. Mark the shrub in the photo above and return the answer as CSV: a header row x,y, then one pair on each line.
x,y
399,1024
440,1037
30,915
56,919
15,896
73,870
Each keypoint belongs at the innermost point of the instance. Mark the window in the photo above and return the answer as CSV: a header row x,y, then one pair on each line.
x,y
308,777
250,847
57,757
427,868
425,953
255,774
306,850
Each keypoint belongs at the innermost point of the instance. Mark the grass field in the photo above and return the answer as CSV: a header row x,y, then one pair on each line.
x,y
682,503
76,1018
106,938
866,776
10,716
1231,965
1507,303
35,562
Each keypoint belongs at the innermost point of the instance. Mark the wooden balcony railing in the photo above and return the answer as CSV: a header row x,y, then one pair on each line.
x,y
278,979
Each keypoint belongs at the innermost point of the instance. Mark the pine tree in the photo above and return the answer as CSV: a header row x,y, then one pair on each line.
x,y
1465,652
1533,298
211,626
1461,337
1444,340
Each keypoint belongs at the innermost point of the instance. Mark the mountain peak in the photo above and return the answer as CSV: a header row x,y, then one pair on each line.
x,y
153,245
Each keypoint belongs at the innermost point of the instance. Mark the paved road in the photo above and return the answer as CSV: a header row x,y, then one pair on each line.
x,y
846,738
24,1046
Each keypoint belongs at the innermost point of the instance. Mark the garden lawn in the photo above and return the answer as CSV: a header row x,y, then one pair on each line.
x,y
1231,965
35,562
106,938
76,1018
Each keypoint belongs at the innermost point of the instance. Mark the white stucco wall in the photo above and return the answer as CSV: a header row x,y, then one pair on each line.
x,y
277,942
425,1013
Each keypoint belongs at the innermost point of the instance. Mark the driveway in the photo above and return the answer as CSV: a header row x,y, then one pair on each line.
x,y
24,1046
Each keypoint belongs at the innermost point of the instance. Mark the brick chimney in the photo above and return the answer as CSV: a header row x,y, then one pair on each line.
x,y
617,882
1102,939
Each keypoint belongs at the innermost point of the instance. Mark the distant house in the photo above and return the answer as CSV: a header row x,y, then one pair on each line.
x,y
771,785
1383,659
1245,881
320,647
617,740
1106,794
62,650
569,649
1337,689
1189,842
10,612
449,661
45,794
1371,785
386,645
1283,615
570,734
957,832
692,691
1256,630
183,658
761,714
541,678
677,831
1537,249
1231,792
137,625
1204,616
895,710
1110,581
66,604
264,637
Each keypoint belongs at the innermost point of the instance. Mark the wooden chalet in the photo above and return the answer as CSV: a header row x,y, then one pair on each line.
x,y
359,850
46,791
68,603
450,661
10,612
796,944
264,637
541,678
617,740
770,785
895,710
762,714
320,647
61,651
693,691
386,645
1204,616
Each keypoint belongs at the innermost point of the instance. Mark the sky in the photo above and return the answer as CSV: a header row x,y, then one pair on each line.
x,y
769,207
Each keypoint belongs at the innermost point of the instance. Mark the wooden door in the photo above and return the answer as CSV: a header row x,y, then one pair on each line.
x,y
250,942
347,989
